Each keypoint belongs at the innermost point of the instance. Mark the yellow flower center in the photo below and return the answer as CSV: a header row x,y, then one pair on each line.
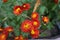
x,y
24,6
45,19
21,38
1,29
26,25
17,9
3,36
35,23
34,15
32,32
16,37
10,30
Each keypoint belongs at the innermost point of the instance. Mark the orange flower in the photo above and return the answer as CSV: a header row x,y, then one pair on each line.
x,y
5,32
1,29
16,38
26,6
56,1
26,39
5,1
17,10
34,33
35,23
26,26
45,19
3,37
9,29
35,15
21,37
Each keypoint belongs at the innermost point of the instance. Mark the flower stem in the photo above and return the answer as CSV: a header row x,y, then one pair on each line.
x,y
36,5
26,16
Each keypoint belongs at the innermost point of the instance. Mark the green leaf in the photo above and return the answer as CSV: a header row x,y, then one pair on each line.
x,y
0,3
24,1
59,5
18,18
54,7
42,10
50,26
16,31
5,24
25,34
22,19
12,23
10,35
43,34
43,27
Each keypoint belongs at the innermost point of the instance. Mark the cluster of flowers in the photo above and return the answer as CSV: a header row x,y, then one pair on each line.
x,y
4,32
19,9
30,26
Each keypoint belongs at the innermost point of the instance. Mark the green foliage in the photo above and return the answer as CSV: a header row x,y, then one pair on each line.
x,y
6,10
42,10
24,34
43,35
50,26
